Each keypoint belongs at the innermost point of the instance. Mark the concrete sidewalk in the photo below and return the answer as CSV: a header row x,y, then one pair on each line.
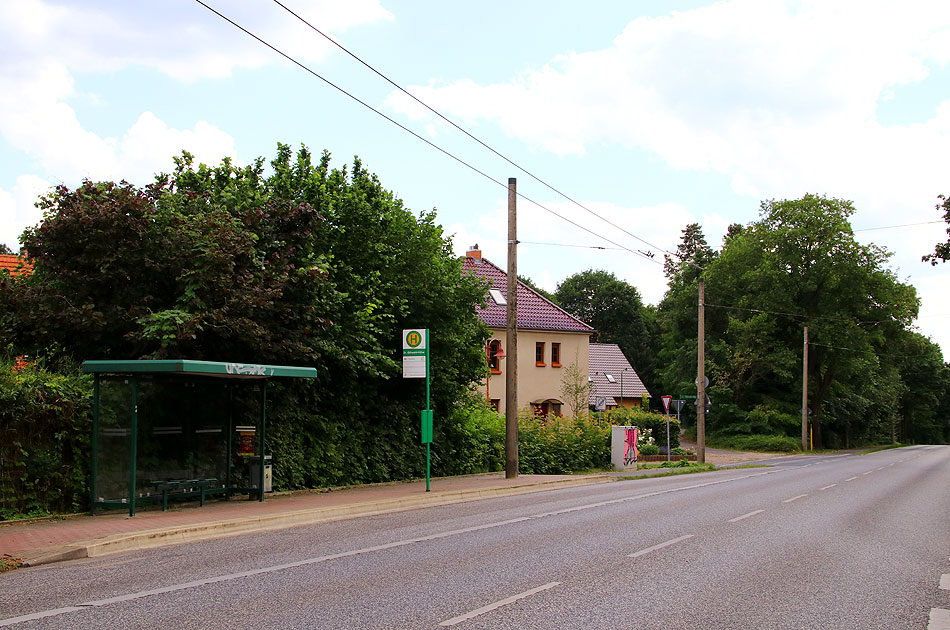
x,y
41,541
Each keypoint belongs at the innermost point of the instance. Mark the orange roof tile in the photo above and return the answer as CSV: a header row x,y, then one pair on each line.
x,y
15,265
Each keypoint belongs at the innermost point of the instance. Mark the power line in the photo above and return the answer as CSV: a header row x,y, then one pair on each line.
x,y
465,132
414,134
801,316
648,255
891,227
866,351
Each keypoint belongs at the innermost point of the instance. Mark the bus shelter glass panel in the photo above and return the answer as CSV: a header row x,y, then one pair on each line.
x,y
114,437
182,433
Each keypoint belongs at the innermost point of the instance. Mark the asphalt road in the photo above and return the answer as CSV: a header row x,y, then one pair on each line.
x,y
857,541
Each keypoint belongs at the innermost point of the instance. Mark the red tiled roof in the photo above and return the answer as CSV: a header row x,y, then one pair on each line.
x,y
606,358
535,312
12,263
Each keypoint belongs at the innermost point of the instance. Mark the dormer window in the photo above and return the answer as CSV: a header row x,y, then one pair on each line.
x,y
610,378
497,297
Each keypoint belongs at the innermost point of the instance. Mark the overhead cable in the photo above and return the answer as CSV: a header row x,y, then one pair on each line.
x,y
459,128
414,134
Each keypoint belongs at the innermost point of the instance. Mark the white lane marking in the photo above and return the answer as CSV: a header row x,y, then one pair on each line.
x,y
739,518
939,619
490,607
291,565
657,493
40,615
643,552
945,581
801,496
867,473
355,552
831,486
851,479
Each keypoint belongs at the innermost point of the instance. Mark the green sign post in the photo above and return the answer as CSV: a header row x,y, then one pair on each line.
x,y
415,364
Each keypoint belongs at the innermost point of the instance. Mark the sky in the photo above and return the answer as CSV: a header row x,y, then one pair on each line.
x,y
648,115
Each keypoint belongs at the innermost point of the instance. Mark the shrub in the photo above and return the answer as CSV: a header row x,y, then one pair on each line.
x,y
649,449
766,443
557,445
45,424
474,440
683,463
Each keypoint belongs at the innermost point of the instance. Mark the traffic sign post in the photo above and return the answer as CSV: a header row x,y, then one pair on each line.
x,y
666,407
415,364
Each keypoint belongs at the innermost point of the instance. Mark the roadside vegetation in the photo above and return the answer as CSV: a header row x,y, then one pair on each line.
x,y
873,379
319,265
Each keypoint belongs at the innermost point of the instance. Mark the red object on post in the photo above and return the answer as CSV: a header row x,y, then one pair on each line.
x,y
666,402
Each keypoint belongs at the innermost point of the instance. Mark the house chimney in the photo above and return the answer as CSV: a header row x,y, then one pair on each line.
x,y
475,253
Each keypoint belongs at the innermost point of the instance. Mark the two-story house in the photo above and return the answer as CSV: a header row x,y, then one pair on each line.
x,y
549,340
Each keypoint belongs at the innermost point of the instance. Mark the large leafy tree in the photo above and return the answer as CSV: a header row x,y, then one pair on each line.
x,y
941,250
201,264
677,313
617,313
800,265
308,265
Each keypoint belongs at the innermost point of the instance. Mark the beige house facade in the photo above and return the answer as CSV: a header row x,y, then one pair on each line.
x,y
550,341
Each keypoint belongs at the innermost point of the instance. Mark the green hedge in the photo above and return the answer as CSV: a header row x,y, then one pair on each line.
x,y
763,443
45,425
559,445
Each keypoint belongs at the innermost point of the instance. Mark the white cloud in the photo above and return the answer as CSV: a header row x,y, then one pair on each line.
x,y
935,309
45,43
186,42
779,96
17,208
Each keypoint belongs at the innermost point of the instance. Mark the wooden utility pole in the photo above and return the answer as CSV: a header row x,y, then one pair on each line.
x,y
511,374
805,393
701,378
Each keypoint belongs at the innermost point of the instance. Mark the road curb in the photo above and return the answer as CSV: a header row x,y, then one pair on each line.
x,y
267,522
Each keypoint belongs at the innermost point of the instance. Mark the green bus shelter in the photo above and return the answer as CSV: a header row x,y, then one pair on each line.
x,y
170,428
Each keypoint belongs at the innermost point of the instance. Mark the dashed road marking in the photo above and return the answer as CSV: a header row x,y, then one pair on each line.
x,y
739,518
939,619
945,581
867,473
503,602
801,496
851,479
643,552
831,486
40,615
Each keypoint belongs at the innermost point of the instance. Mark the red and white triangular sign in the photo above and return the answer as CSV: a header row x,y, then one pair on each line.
x,y
666,403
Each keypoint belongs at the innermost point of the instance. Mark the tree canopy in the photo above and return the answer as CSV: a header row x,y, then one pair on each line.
x,y
617,313
309,265
799,265
941,250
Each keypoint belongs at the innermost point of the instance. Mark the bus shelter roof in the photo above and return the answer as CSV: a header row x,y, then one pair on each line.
x,y
197,368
